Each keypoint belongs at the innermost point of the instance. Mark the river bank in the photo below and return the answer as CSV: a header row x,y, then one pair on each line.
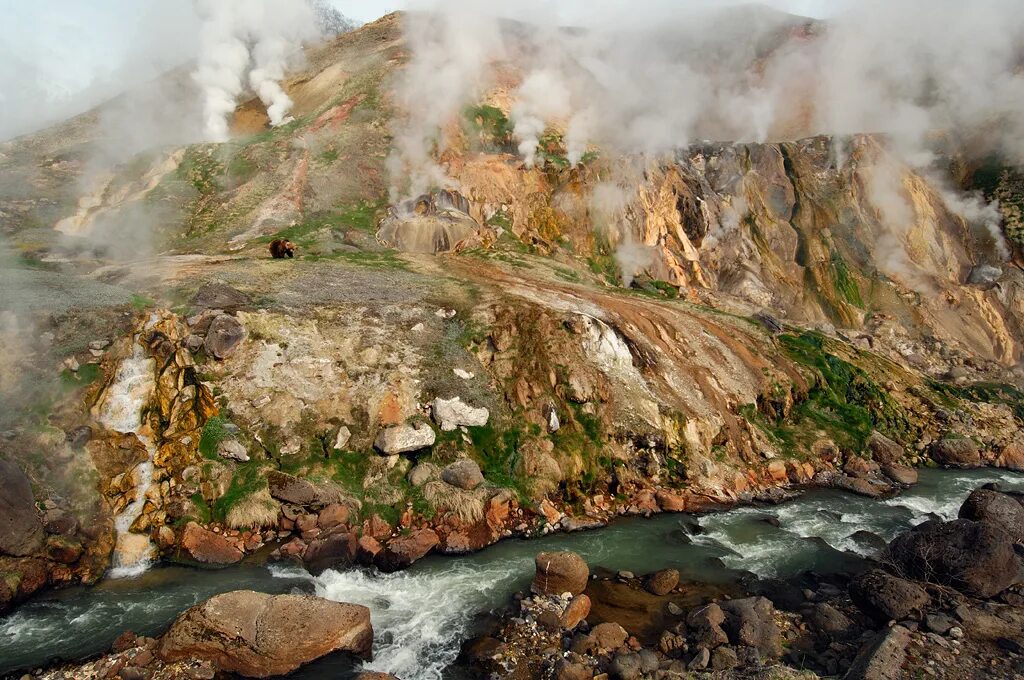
x,y
423,614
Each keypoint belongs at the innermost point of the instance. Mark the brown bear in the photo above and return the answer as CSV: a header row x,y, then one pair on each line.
x,y
282,248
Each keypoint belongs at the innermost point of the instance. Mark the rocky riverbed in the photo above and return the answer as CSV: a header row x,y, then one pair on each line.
x,y
646,575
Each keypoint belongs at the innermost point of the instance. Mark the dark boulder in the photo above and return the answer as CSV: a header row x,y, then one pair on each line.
x,y
751,622
224,336
882,657
976,558
885,597
560,572
884,450
831,622
995,508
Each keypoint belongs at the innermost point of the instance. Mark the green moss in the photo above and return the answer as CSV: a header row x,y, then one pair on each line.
x,y
86,375
249,478
141,302
214,432
986,392
490,126
203,514
845,286
843,401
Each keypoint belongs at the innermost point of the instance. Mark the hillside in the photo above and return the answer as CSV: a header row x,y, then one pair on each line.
x,y
646,333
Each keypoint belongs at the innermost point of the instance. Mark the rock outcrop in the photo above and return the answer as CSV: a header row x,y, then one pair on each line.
x,y
21,530
259,636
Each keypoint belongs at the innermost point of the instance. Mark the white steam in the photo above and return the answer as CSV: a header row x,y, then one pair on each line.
x,y
654,79
257,37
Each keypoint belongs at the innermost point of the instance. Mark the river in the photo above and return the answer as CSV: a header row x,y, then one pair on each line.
x,y
421,615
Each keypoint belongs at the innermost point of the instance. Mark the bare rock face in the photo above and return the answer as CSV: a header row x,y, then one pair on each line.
x,y
298,491
450,414
957,452
207,547
21,530
882,656
976,558
224,336
560,572
464,474
405,438
259,636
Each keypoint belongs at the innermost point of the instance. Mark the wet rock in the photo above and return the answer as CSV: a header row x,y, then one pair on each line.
x,y
869,541
207,547
402,551
662,582
885,597
881,657
224,336
900,474
751,622
997,509
463,474
861,468
956,452
884,450
829,621
63,549
575,612
328,551
367,549
220,296
259,635
861,487
405,438
233,450
560,572
976,558
450,414
57,521
21,530
374,675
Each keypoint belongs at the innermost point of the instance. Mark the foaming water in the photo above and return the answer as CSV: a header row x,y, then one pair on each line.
x,y
121,411
422,615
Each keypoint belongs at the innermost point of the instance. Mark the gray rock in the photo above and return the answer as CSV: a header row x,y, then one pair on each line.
x,y
881,657
224,336
626,666
830,621
464,474
21,530
450,414
233,450
421,474
298,491
405,438
938,623
901,474
220,296
342,438
751,622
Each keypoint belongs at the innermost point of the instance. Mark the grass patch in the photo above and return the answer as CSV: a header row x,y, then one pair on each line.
x,y
87,374
490,126
214,432
249,479
843,281
141,302
986,392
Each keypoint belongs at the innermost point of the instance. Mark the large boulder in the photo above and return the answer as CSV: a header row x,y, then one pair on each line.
x,y
956,452
751,622
999,509
330,550
662,582
976,558
400,552
206,547
1012,457
884,450
885,597
464,474
901,474
560,572
450,414
258,635
405,438
21,529
224,336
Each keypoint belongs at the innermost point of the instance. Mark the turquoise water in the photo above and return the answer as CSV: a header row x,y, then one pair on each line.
x,y
421,615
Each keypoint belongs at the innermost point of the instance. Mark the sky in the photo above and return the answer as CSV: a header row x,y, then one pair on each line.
x,y
61,57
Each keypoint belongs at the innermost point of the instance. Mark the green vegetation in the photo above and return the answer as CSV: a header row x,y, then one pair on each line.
x,y
141,302
249,478
214,432
86,375
843,281
201,169
987,392
491,127
844,402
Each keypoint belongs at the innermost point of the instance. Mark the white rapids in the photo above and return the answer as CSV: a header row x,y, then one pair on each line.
x,y
121,411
